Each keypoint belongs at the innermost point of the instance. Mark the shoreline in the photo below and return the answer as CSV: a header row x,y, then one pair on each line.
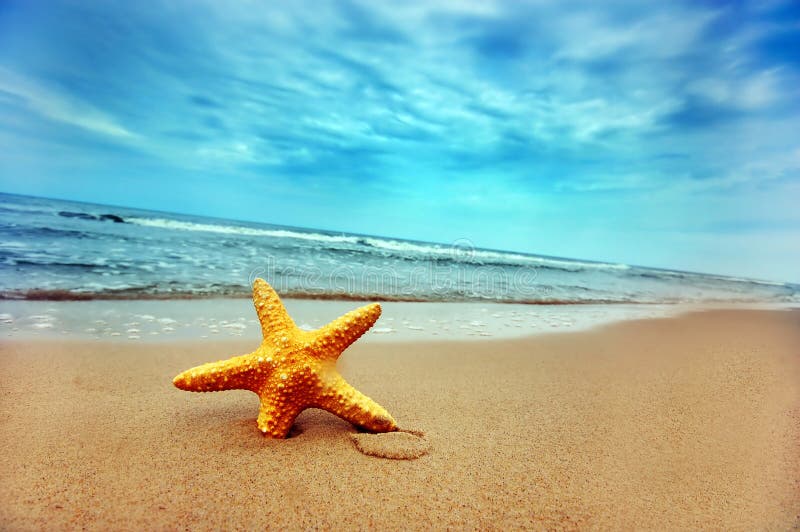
x,y
148,321
684,422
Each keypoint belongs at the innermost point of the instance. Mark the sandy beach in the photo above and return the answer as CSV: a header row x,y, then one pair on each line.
x,y
677,423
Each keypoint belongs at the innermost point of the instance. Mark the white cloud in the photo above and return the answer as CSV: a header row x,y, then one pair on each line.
x,y
61,108
591,35
759,90
746,92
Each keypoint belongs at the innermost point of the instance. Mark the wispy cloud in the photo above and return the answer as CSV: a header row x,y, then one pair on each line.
x,y
61,107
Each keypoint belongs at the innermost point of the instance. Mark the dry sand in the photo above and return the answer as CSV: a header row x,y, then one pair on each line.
x,y
692,422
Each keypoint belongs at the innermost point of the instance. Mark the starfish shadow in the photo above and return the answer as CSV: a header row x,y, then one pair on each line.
x,y
236,420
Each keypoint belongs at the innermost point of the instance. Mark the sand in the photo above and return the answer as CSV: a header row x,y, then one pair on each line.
x,y
689,422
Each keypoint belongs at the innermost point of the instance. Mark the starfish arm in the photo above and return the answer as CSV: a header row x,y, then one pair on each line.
x,y
276,415
271,312
237,373
341,399
335,337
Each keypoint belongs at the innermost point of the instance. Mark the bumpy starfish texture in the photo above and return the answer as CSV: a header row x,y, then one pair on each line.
x,y
294,369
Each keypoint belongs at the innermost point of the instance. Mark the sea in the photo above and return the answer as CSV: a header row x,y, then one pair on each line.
x,y
65,250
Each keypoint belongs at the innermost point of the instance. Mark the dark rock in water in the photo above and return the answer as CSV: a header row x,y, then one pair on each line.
x,y
84,216
81,215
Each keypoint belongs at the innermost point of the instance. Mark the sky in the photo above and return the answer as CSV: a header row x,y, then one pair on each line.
x,y
662,134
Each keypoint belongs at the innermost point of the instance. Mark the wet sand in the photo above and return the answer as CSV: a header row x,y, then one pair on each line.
x,y
688,422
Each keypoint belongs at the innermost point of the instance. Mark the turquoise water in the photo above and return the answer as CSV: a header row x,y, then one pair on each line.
x,y
63,250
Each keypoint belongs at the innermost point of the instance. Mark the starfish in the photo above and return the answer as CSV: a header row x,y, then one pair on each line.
x,y
294,369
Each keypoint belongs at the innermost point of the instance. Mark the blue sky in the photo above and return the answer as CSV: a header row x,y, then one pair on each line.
x,y
663,134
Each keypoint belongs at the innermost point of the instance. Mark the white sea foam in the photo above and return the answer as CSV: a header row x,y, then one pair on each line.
x,y
743,280
468,254
163,223
398,246
42,318
23,208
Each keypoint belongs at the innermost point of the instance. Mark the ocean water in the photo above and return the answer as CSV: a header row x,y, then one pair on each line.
x,y
64,250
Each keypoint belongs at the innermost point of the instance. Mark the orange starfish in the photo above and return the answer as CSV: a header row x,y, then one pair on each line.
x,y
294,369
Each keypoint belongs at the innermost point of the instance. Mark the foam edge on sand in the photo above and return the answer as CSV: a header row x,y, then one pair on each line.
x,y
403,444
